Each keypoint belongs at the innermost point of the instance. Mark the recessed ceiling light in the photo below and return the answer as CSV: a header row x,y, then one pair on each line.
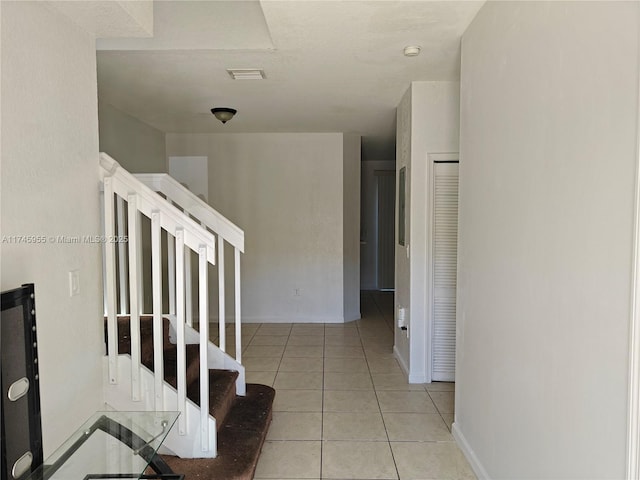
x,y
246,73
411,51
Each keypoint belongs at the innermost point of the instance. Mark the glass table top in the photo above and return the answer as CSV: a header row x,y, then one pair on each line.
x,y
110,444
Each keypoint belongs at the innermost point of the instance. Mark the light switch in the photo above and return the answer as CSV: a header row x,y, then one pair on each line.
x,y
74,283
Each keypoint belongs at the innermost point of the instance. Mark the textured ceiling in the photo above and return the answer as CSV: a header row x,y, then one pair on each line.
x,y
331,66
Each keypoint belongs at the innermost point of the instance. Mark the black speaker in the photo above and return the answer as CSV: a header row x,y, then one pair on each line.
x,y
21,424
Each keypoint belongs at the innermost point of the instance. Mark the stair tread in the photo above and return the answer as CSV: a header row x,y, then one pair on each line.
x,y
222,393
240,440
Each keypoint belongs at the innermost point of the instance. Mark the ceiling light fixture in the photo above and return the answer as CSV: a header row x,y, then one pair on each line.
x,y
223,114
412,51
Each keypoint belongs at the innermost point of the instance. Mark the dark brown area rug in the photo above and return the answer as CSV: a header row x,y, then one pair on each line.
x,y
240,440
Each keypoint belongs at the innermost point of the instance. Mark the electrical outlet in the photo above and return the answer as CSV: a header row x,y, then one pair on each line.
x,y
74,283
296,292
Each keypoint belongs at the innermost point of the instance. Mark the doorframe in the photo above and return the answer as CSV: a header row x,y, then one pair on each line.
x,y
633,413
431,159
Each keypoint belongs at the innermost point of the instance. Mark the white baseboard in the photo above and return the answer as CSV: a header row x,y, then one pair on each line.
x,y
351,317
412,378
231,321
296,319
469,454
403,365
417,378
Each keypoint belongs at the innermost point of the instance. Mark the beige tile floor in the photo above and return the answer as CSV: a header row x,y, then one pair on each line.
x,y
343,407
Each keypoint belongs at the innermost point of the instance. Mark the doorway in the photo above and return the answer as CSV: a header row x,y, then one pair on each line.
x,y
377,225
386,197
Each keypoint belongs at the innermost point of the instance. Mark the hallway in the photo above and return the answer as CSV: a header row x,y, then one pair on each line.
x,y
343,407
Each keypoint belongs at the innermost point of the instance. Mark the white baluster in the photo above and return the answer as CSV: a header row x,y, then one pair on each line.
x,y
140,250
110,286
158,331
221,305
171,270
203,324
104,255
188,288
182,358
237,307
122,257
135,280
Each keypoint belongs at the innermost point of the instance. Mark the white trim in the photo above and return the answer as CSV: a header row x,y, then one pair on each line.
x,y
431,158
417,378
162,182
352,317
468,452
287,319
403,364
123,183
633,415
413,378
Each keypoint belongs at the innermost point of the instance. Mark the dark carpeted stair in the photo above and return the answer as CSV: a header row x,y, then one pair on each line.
x,y
242,422
240,440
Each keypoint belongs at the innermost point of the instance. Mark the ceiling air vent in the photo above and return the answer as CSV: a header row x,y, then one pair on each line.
x,y
246,73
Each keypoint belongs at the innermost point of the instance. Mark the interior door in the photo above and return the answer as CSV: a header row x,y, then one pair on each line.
x,y
444,268
386,180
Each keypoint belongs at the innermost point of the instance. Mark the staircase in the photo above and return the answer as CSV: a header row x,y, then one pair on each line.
x,y
164,359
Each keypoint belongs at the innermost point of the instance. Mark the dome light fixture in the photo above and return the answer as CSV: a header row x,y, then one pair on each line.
x,y
224,114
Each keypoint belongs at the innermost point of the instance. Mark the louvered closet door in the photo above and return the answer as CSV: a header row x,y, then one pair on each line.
x,y
445,261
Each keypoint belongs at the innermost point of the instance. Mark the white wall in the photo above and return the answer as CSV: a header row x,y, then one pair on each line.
x,y
548,159
403,267
286,192
49,187
351,162
138,147
369,217
428,122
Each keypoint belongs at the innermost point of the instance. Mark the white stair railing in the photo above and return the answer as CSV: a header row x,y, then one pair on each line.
x,y
225,231
124,279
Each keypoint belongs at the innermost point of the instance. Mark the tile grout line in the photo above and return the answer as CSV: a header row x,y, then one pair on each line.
x,y
375,392
282,357
438,410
